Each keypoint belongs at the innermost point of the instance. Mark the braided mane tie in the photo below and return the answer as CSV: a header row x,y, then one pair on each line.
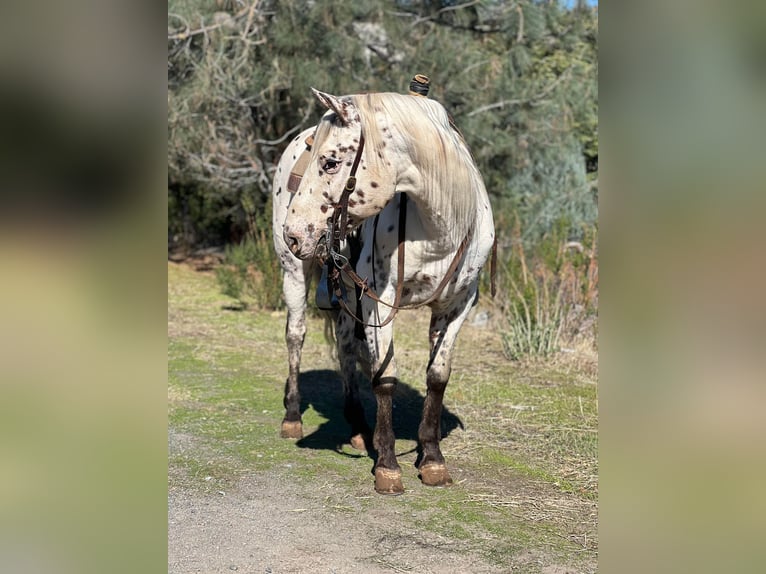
x,y
420,85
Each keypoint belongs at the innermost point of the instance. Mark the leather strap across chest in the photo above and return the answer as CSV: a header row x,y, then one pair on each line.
x,y
365,289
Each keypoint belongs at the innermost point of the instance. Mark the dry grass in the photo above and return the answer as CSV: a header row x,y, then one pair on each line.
x,y
548,296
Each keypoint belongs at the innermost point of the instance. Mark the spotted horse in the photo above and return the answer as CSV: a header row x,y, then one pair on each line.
x,y
393,168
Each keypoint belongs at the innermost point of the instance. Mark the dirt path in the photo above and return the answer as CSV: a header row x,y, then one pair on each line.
x,y
271,523
264,525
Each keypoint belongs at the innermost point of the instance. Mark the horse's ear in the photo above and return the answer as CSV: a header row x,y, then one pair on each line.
x,y
343,107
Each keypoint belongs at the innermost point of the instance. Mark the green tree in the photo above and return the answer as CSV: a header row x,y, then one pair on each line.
x,y
519,77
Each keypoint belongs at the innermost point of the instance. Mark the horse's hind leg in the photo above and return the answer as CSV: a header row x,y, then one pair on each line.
x,y
294,290
443,333
348,352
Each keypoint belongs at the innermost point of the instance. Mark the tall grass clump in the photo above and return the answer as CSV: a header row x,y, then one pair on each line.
x,y
549,294
250,271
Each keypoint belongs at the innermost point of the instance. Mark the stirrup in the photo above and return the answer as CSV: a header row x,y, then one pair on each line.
x,y
326,299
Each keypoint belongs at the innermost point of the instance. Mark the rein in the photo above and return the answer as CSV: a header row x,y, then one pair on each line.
x,y
336,232
364,288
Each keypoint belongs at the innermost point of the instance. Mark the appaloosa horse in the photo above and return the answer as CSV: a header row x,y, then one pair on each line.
x,y
394,167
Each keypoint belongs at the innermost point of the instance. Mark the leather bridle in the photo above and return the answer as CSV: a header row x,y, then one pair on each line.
x,y
338,263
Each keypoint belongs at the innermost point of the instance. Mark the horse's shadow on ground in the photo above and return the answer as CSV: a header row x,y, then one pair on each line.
x,y
322,390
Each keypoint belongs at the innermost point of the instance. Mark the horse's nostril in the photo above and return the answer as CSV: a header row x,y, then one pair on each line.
x,y
292,243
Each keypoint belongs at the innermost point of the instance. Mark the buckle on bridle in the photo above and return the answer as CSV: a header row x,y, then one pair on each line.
x,y
350,183
332,240
332,235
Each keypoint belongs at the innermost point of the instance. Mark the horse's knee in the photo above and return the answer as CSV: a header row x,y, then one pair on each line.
x,y
384,386
295,328
437,378
295,337
347,349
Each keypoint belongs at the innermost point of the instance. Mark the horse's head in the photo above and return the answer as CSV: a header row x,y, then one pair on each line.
x,y
338,151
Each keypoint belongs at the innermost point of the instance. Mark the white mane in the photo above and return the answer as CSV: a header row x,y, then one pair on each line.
x,y
451,180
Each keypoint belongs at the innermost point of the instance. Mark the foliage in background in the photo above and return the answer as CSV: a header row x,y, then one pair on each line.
x,y
519,77
250,271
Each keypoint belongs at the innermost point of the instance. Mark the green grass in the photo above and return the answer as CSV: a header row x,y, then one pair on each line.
x,y
524,461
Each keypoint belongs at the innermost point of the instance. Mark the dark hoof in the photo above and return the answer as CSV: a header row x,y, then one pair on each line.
x,y
292,429
357,442
388,481
435,474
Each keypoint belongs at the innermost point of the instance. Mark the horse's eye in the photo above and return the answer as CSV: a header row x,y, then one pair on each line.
x,y
331,165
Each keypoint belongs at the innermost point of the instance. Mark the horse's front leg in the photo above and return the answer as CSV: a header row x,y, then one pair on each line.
x,y
445,325
388,473
294,291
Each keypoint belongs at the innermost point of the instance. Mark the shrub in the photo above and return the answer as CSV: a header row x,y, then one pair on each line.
x,y
250,271
549,293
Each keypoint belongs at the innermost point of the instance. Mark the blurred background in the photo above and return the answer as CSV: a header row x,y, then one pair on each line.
x,y
86,222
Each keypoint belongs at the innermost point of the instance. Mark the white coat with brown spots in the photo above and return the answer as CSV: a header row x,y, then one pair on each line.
x,y
410,148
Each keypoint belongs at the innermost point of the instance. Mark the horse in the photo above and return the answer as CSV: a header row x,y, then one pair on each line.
x,y
297,275
394,169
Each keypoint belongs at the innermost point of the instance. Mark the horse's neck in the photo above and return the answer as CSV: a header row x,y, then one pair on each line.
x,y
438,227
431,223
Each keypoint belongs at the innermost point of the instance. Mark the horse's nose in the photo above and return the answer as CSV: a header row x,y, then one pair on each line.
x,y
292,241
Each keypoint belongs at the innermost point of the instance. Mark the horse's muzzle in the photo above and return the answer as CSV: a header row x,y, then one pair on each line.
x,y
302,246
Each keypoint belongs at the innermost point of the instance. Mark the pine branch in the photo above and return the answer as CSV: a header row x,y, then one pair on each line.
x,y
442,10
529,101
187,33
